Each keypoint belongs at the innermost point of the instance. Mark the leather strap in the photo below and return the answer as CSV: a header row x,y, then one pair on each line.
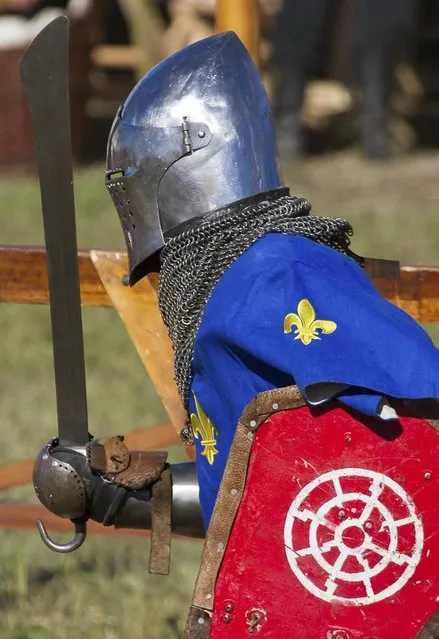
x,y
198,624
431,628
233,485
160,549
108,455
137,469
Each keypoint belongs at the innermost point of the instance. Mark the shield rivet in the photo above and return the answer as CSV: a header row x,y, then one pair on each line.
x,y
341,514
200,620
275,406
427,475
226,618
229,607
233,492
201,134
253,423
220,546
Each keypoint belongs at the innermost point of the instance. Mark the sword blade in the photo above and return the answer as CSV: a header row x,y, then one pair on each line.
x,y
45,75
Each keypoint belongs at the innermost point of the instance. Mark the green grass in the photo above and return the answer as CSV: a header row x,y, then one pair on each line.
x,y
104,590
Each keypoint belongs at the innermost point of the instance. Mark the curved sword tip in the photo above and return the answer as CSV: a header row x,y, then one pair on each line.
x,y
51,35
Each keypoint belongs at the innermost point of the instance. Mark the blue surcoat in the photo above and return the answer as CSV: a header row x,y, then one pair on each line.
x,y
290,311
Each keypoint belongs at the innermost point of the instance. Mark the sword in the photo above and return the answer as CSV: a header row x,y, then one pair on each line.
x,y
45,76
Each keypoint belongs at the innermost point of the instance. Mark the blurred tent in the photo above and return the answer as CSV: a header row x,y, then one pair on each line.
x,y
16,33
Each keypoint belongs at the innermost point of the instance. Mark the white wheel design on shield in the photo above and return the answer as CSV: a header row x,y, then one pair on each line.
x,y
353,536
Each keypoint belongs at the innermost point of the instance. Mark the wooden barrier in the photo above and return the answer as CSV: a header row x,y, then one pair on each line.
x,y
23,280
24,516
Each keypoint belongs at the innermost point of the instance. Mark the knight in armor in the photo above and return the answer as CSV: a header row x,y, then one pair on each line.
x,y
257,293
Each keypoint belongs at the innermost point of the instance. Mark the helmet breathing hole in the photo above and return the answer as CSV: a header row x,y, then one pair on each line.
x,y
115,175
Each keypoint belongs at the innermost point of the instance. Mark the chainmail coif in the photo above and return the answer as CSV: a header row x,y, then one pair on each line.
x,y
193,262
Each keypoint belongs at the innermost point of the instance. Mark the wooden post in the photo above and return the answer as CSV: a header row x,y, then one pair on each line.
x,y
138,309
242,17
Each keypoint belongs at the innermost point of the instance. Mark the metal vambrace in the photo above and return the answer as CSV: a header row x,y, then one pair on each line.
x,y
126,489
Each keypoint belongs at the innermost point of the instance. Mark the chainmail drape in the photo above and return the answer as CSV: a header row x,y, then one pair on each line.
x,y
193,262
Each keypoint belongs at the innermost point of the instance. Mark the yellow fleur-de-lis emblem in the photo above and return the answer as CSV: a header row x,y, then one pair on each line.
x,y
202,426
306,323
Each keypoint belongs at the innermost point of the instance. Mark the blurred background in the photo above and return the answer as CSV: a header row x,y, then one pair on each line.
x,y
355,90
341,74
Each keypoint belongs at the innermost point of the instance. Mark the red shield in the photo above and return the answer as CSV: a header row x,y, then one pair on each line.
x,y
336,535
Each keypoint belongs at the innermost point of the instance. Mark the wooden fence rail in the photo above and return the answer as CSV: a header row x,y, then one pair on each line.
x,y
23,280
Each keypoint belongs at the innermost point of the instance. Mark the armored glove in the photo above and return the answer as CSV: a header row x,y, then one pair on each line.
x,y
109,484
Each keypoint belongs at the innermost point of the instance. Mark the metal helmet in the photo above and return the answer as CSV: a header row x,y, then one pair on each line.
x,y
196,134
